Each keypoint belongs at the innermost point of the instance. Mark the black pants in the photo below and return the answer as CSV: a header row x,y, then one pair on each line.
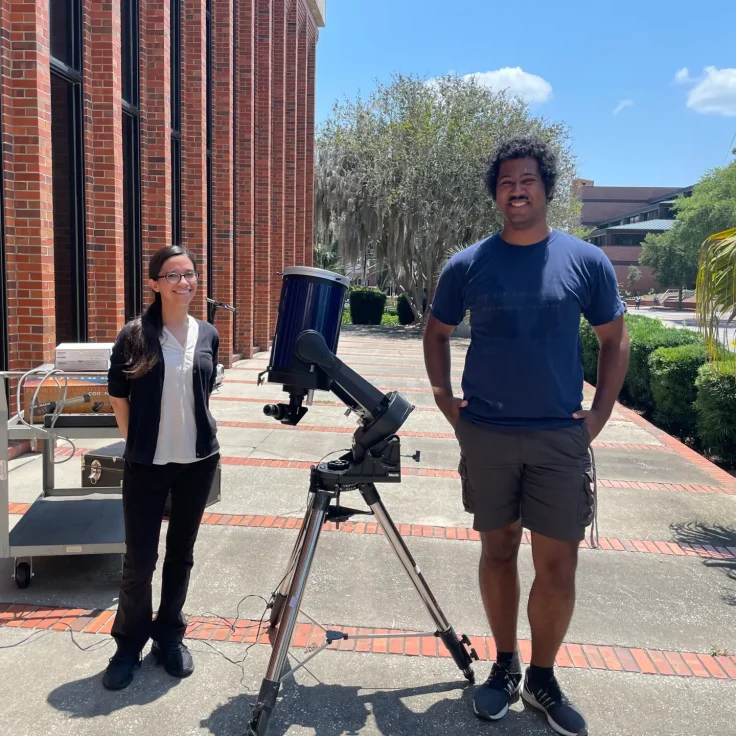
x,y
145,489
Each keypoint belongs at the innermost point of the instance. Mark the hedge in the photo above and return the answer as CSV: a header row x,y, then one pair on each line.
x,y
366,306
406,315
673,374
645,338
716,411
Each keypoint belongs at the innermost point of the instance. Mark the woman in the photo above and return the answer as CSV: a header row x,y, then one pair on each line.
x,y
162,372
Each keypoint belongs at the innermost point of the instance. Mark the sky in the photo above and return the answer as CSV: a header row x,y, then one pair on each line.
x,y
647,89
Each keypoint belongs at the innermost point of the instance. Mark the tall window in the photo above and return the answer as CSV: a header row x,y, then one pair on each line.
x,y
133,258
209,150
176,122
67,159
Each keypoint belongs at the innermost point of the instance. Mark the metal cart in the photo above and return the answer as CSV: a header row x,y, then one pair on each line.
x,y
61,521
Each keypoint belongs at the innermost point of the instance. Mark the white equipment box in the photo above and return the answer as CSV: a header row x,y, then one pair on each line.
x,y
84,356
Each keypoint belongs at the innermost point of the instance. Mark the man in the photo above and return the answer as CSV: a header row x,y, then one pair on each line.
x,y
524,439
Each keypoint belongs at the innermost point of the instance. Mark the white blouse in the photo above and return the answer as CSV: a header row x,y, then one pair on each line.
x,y
177,432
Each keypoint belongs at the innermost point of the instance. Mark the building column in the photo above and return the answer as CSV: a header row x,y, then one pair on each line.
x,y
309,155
155,121
301,132
244,153
263,112
222,170
29,229
278,100
104,169
290,142
194,141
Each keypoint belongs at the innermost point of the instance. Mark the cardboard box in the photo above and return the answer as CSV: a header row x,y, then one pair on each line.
x,y
93,386
93,356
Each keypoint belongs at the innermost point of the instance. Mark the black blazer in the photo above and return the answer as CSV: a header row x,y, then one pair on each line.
x,y
145,393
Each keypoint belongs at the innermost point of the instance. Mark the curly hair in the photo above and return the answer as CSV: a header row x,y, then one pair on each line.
x,y
525,146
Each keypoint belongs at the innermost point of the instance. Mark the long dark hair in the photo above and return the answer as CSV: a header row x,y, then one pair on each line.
x,y
142,345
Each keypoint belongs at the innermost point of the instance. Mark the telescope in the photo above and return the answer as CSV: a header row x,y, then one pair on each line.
x,y
303,360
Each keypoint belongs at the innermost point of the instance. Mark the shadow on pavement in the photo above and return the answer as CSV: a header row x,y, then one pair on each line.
x,y
713,535
86,698
334,710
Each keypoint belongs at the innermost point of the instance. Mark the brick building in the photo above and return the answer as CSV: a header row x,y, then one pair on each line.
x,y
132,124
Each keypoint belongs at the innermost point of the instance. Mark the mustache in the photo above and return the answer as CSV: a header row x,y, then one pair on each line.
x,y
518,199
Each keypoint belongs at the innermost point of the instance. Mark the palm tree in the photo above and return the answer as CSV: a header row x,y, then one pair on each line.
x,y
716,291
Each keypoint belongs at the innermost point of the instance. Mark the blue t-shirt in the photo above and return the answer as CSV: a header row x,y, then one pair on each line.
x,y
524,368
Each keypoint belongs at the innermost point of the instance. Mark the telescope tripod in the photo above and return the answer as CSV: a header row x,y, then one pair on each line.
x,y
324,506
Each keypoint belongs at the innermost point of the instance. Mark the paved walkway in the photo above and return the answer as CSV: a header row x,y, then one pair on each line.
x,y
651,649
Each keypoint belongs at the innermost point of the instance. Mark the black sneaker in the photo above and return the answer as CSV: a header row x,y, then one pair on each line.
x,y
174,657
562,715
120,671
501,689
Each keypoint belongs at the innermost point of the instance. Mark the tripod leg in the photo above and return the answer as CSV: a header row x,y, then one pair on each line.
x,y
272,681
459,647
279,598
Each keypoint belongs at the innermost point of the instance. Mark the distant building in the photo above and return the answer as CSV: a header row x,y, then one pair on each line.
x,y
622,217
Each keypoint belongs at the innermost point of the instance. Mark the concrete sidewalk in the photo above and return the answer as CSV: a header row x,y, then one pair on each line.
x,y
651,649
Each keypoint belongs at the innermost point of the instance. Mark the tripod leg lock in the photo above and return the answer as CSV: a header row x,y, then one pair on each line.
x,y
461,651
263,708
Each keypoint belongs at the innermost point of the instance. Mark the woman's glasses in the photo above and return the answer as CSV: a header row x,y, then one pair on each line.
x,y
175,278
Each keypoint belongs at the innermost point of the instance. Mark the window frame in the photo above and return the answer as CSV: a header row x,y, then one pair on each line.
x,y
175,35
72,76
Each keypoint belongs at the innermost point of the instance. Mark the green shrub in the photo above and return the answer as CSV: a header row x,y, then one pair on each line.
x,y
389,320
645,339
590,347
406,315
366,306
346,318
716,411
673,374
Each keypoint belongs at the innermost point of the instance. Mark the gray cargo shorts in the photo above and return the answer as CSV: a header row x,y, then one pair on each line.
x,y
543,477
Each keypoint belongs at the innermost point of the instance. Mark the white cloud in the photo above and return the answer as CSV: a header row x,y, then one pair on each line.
x,y
714,93
623,105
683,76
529,87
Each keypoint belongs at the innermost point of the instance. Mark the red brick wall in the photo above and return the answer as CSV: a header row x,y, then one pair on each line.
x,y
194,141
263,148
222,167
263,221
244,147
104,168
301,133
278,94
155,73
309,154
290,143
28,183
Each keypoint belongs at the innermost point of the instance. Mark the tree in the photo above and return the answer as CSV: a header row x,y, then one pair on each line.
x,y
716,293
674,255
634,276
403,172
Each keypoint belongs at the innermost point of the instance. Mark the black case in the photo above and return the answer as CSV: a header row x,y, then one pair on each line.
x,y
104,467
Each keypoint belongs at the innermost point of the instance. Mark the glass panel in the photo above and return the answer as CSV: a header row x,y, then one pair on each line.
x,y
175,191
132,262
61,31
62,183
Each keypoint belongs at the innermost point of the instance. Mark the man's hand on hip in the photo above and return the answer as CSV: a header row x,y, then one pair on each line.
x,y
450,407
594,421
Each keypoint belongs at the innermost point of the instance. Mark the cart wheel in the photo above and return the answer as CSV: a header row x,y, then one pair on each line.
x,y
277,610
23,575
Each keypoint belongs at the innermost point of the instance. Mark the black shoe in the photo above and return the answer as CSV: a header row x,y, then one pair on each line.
x,y
175,658
501,689
562,715
120,671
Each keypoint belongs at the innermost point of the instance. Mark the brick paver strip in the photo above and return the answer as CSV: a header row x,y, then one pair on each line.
x,y
448,533
572,655
409,433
